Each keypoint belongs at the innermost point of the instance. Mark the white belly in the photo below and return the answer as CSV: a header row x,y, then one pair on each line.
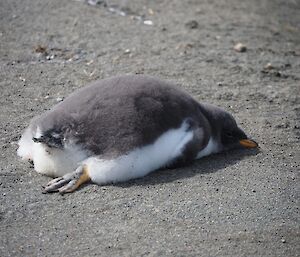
x,y
140,161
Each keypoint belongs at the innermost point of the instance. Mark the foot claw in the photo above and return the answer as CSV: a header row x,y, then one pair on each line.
x,y
69,182
54,181
68,188
55,184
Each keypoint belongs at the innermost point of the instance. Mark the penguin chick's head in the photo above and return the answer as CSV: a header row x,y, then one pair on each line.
x,y
226,130
232,136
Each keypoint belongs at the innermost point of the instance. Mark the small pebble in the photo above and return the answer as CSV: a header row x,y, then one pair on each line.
x,y
127,51
148,22
150,11
95,2
287,65
40,49
192,24
283,240
239,47
50,57
278,74
269,66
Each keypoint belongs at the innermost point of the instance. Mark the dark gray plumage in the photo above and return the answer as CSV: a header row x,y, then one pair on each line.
x,y
119,114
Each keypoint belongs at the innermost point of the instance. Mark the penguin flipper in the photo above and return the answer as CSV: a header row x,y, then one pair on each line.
x,y
191,149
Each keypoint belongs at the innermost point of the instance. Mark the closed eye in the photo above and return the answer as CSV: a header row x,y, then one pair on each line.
x,y
229,134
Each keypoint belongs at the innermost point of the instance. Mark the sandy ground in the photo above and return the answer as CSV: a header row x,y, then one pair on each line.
x,y
240,203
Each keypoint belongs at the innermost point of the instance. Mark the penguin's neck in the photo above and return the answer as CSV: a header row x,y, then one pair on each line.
x,y
210,113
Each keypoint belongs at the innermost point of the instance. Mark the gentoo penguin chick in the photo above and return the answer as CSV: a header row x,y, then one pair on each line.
x,y
122,128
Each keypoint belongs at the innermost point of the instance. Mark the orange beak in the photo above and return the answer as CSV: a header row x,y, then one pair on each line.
x,y
248,143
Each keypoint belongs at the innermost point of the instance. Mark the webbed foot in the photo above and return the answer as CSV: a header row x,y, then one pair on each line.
x,y
69,182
